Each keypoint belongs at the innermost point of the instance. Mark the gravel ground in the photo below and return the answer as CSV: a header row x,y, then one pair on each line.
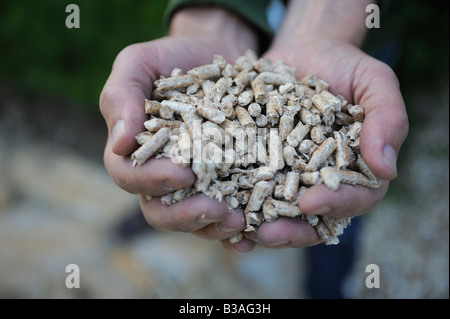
x,y
58,206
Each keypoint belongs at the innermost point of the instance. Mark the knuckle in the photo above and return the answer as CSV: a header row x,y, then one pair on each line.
x,y
149,217
121,180
183,222
404,124
388,73
157,215
387,70
129,52
403,131
176,225
109,93
106,98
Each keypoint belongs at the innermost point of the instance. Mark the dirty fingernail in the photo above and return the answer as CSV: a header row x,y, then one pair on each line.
x,y
280,243
321,210
165,185
204,220
221,228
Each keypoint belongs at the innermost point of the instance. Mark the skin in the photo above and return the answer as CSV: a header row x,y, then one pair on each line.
x,y
192,41
306,41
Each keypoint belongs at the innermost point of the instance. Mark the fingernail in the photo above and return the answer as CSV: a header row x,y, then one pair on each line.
x,y
204,221
321,210
117,132
167,187
221,228
280,243
236,211
390,157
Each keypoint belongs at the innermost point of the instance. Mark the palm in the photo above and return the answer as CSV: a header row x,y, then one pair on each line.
x,y
336,63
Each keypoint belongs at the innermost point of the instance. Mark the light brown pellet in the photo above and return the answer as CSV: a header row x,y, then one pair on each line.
x,y
306,135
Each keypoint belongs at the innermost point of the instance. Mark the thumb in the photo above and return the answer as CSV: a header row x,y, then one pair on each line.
x,y
386,123
123,97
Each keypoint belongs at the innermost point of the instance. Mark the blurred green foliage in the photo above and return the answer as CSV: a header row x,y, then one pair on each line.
x,y
39,55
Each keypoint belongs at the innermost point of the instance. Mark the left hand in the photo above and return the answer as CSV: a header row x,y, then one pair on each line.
x,y
362,80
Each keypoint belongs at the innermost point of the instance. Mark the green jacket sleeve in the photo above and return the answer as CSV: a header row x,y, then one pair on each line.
x,y
253,11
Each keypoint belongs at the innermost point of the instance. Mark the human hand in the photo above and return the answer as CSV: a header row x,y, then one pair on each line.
x,y
362,80
196,35
322,37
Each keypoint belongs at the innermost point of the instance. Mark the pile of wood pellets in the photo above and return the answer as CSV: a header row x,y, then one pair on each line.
x,y
256,137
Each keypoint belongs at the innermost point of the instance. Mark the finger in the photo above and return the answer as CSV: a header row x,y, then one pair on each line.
x,y
123,96
233,223
386,122
155,177
243,246
285,232
347,201
131,81
191,214
336,69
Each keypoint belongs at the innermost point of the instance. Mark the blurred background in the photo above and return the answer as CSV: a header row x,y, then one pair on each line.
x,y
58,205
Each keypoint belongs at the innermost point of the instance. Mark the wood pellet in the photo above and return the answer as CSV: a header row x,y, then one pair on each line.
x,y
256,137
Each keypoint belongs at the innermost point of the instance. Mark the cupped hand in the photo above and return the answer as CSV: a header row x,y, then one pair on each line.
x,y
362,80
122,105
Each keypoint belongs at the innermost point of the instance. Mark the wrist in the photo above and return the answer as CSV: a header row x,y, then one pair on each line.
x,y
217,25
311,21
353,35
